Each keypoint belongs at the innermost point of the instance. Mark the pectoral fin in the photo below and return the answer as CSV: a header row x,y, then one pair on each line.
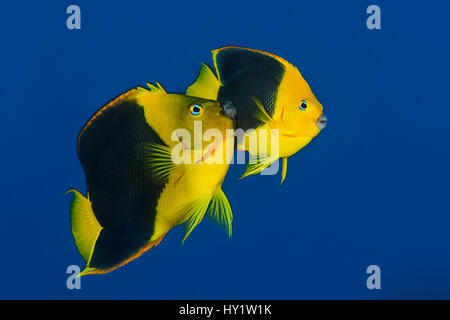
x,y
257,164
261,112
158,158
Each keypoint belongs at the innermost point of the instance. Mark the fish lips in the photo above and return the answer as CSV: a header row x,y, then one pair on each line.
x,y
229,110
322,122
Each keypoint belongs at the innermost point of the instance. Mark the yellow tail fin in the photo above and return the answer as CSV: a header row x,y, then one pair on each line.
x,y
85,227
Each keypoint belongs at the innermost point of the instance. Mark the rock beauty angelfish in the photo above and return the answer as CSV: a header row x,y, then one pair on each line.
x,y
135,191
268,93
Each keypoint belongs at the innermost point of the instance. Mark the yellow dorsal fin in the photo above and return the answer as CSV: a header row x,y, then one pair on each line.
x,y
156,89
85,227
206,86
218,207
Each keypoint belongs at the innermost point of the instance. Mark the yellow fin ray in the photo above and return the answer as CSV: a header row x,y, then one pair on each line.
x,y
217,206
257,164
196,211
283,170
261,113
206,85
85,226
159,159
156,89
220,210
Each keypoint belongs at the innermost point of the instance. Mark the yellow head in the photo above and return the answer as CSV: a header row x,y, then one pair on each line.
x,y
191,123
285,97
296,107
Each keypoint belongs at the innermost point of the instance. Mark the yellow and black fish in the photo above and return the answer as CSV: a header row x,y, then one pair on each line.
x,y
135,190
268,93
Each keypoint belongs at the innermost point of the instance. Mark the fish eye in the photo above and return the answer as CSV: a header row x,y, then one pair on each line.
x,y
303,105
195,109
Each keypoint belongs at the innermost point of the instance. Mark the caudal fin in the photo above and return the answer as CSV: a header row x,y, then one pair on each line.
x,y
85,227
103,249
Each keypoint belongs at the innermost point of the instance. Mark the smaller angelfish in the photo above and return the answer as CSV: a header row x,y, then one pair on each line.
x,y
268,93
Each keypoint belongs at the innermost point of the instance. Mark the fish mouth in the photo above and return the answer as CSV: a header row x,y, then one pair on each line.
x,y
229,110
322,122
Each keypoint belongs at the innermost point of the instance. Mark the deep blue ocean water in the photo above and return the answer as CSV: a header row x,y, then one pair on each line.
x,y
372,188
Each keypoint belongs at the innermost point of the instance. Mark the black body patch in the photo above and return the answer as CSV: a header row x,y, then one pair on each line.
x,y
122,192
245,74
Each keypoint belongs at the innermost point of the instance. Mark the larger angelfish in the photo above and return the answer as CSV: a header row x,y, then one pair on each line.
x,y
268,93
136,191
